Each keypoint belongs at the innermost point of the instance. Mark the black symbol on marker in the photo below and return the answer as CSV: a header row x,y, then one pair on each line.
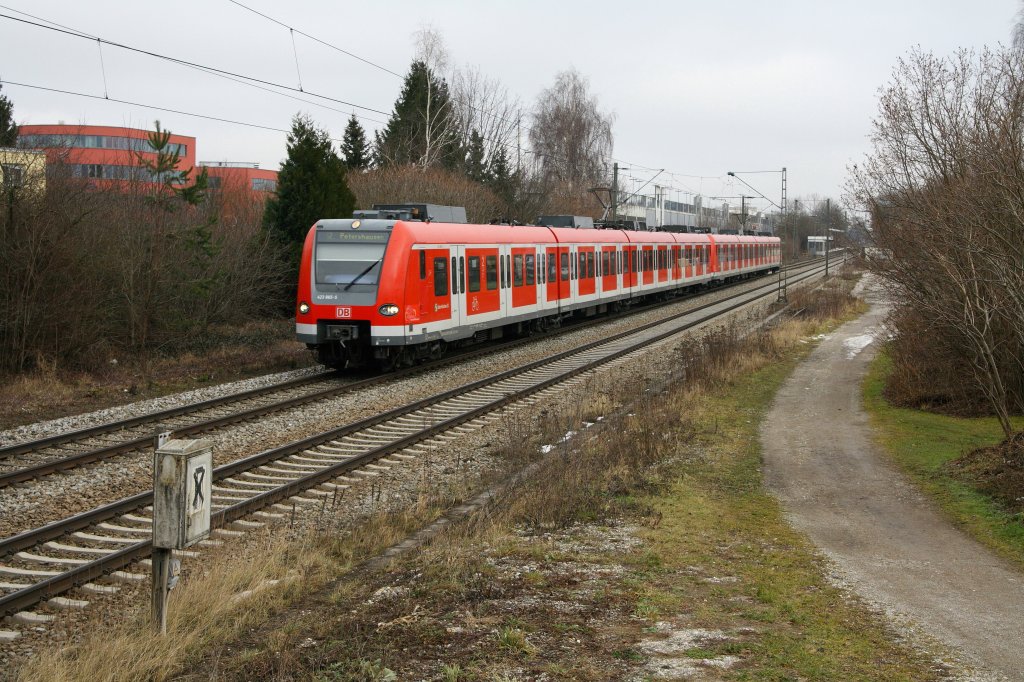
x,y
198,475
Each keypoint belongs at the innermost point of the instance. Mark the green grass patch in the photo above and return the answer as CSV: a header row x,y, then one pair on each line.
x,y
922,443
732,563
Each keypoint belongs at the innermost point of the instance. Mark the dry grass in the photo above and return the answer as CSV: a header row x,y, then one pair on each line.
x,y
128,650
482,600
49,391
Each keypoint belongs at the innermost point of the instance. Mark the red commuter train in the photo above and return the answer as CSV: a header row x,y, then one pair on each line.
x,y
393,292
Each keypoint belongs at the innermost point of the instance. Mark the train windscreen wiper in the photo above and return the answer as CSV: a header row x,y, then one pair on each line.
x,y
355,279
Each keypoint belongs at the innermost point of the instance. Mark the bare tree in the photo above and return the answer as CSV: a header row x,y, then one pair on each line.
x,y
570,134
440,125
485,106
945,183
1017,34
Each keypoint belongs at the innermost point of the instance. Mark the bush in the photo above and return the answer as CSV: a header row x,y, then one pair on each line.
x,y
86,271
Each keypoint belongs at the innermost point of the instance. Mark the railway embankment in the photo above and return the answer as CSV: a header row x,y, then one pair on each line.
x,y
628,537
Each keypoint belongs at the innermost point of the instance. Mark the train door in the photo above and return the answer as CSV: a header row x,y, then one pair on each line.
x,y
629,258
505,277
483,295
457,273
647,259
431,295
608,269
524,290
585,272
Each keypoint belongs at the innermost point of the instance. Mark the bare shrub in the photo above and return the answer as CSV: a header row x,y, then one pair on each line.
x,y
89,271
945,183
399,184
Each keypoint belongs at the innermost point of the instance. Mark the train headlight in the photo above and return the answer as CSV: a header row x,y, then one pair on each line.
x,y
303,307
388,309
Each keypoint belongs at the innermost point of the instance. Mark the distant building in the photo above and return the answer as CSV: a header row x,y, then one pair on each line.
x,y
237,175
816,245
23,169
105,154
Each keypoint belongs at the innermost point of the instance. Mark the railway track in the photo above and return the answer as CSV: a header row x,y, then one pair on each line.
x,y
91,552
27,461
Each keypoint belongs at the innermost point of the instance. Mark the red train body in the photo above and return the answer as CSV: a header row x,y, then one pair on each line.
x,y
393,292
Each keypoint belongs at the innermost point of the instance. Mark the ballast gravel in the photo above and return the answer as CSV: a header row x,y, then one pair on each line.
x,y
458,468
39,502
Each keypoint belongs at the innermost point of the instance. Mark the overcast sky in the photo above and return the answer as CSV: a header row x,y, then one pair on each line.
x,y
697,88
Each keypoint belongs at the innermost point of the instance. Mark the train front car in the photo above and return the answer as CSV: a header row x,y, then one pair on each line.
x,y
350,281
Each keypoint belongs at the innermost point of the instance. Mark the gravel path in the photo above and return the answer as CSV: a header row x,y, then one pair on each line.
x,y
888,543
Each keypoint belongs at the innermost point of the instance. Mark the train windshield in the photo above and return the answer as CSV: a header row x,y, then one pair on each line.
x,y
341,259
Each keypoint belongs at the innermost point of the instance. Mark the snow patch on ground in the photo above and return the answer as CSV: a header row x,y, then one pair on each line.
x,y
855,344
669,658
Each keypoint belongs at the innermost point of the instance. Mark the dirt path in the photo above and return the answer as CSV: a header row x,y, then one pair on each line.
x,y
887,541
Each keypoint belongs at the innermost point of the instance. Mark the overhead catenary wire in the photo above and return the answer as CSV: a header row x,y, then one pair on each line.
x,y
252,81
186,62
202,69
295,51
103,69
315,39
148,106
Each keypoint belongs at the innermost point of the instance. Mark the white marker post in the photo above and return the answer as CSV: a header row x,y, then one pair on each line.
x,y
182,488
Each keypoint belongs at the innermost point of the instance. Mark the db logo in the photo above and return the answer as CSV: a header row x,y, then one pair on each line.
x,y
344,312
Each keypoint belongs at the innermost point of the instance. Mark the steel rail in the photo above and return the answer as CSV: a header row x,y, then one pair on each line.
x,y
58,528
151,417
28,473
19,600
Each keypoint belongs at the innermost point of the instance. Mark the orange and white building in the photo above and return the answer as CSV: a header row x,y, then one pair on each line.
x,y
108,155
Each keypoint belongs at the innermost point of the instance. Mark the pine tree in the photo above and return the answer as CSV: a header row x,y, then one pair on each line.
x,y
423,129
8,129
499,175
476,168
310,186
354,148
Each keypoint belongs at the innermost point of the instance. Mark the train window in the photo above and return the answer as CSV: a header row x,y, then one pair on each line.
x,y
462,274
455,278
605,262
531,267
552,268
491,272
517,270
440,277
572,262
636,260
565,267
583,264
501,272
590,263
474,273
423,264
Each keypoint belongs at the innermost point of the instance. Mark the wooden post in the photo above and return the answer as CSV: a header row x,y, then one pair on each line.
x,y
161,575
182,491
